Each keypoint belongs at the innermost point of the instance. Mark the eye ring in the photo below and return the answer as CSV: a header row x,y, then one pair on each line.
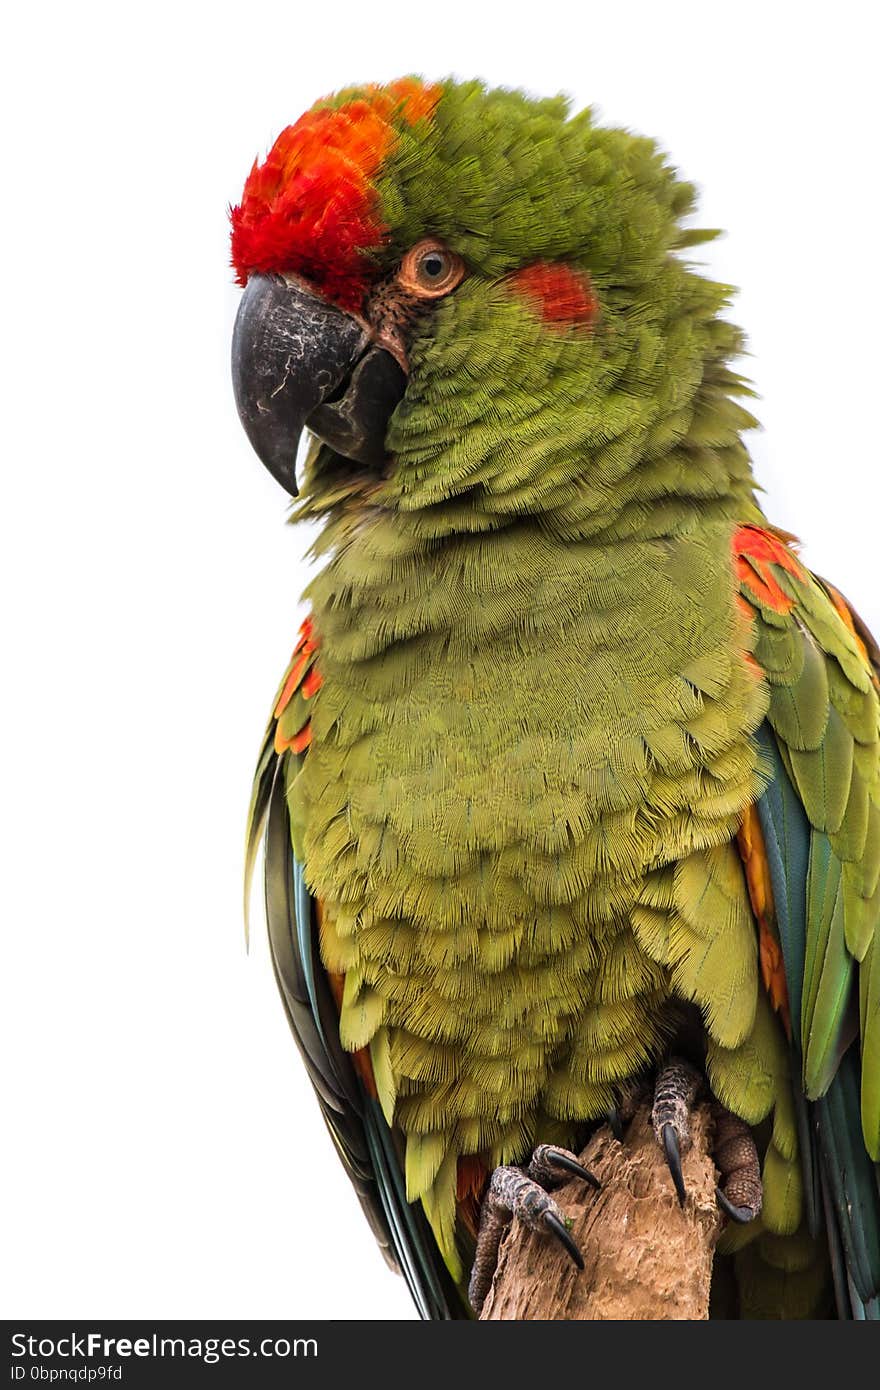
x,y
430,270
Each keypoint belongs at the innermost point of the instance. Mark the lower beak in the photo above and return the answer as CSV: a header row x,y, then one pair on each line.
x,y
299,361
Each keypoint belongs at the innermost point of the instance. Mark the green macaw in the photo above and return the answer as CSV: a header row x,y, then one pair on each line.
x,y
573,781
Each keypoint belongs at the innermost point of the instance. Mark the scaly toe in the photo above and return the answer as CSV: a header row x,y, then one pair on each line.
x,y
741,1215
741,1192
550,1165
672,1151
677,1087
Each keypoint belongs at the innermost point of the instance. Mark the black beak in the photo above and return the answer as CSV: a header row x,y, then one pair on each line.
x,y
298,361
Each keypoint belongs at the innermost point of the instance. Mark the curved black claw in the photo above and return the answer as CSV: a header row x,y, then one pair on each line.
x,y
571,1165
741,1215
558,1229
673,1159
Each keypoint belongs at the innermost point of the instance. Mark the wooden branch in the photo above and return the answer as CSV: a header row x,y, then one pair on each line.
x,y
645,1258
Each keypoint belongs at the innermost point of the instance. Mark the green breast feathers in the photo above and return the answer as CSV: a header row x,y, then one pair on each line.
x,y
487,809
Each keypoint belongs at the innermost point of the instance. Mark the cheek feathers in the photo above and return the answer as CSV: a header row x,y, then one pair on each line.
x,y
558,293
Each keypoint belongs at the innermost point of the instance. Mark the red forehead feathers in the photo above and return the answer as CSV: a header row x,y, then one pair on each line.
x,y
557,292
310,207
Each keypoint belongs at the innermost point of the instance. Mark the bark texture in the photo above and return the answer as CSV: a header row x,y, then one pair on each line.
x,y
645,1257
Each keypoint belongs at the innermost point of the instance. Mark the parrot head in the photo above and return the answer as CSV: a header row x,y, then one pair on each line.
x,y
476,306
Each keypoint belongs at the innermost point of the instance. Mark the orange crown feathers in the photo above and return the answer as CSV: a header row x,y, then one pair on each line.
x,y
311,207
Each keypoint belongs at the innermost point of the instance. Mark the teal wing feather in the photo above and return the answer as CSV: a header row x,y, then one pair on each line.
x,y
369,1149
840,1178
820,817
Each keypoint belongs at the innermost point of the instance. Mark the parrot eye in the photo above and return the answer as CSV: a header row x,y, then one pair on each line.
x,y
429,269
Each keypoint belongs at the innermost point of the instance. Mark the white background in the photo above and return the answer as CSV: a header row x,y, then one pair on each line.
x,y
165,1156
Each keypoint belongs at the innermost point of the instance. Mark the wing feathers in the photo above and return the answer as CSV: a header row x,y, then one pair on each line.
x,y
820,818
366,1144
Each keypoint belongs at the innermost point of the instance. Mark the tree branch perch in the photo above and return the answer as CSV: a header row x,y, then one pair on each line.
x,y
645,1257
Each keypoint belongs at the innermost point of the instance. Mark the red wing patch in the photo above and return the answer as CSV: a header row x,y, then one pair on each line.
x,y
757,554
293,731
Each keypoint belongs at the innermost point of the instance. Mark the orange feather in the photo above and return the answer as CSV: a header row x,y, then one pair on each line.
x,y
753,851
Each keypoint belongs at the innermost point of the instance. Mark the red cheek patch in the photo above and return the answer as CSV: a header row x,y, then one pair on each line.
x,y
559,294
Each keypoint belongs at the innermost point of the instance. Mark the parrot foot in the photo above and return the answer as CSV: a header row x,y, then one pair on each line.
x,y
524,1193
739,1193
674,1096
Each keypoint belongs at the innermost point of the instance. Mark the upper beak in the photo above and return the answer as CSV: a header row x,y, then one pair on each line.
x,y
297,361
